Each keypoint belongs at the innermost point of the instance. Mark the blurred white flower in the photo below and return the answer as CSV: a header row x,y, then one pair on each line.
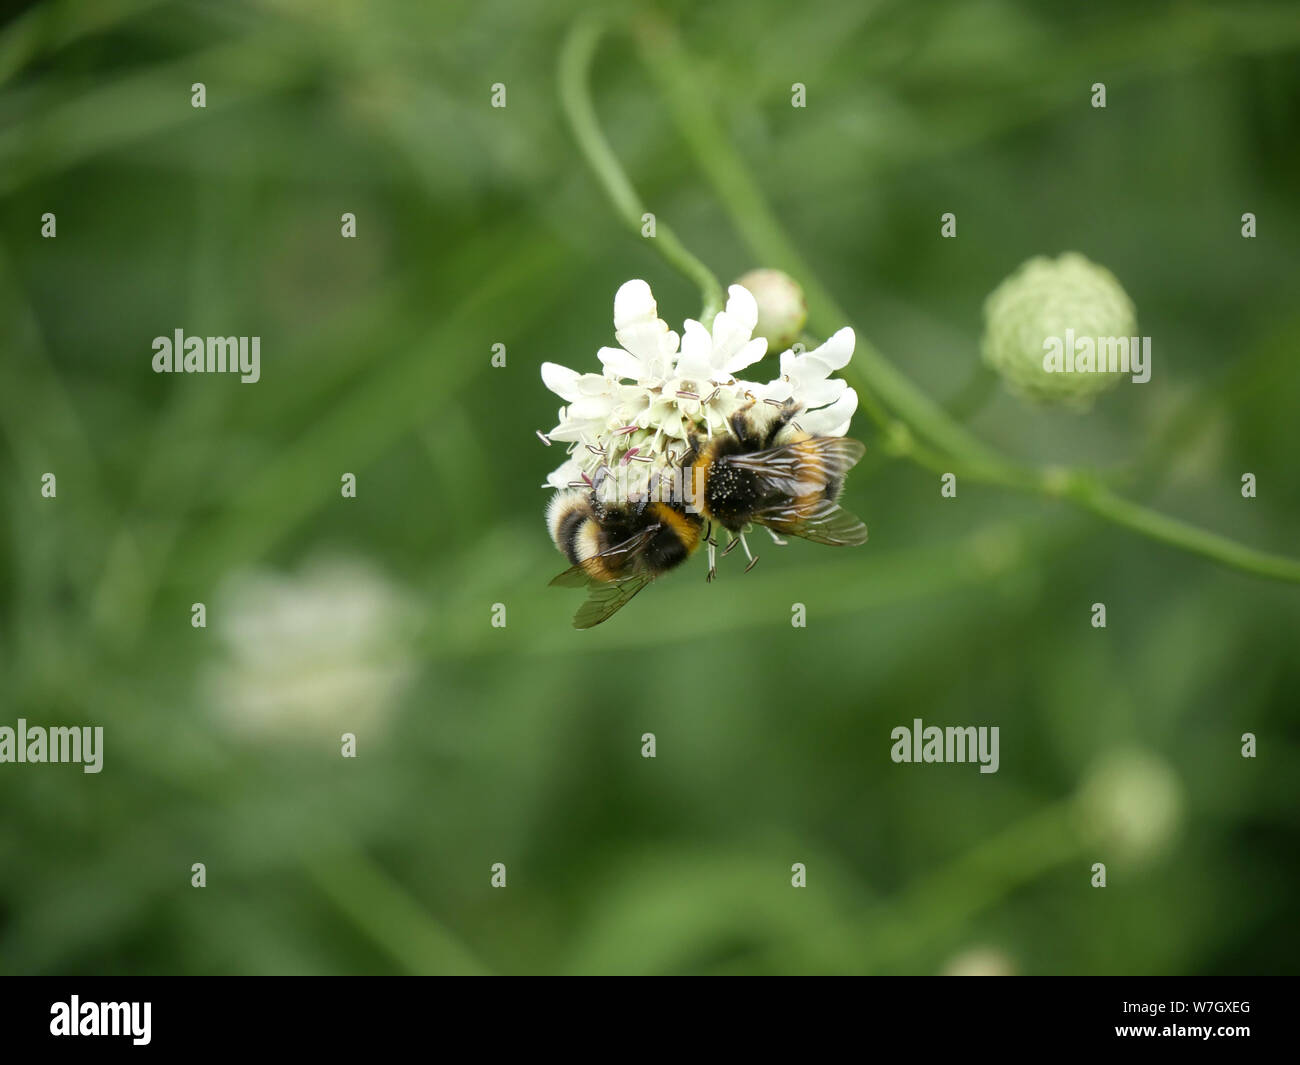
x,y
310,656
1132,802
980,961
659,389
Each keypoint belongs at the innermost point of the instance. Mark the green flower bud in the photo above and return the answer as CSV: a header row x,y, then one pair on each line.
x,y
1131,803
1043,300
782,311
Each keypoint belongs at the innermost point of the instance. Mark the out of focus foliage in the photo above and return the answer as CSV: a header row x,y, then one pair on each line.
x,y
522,744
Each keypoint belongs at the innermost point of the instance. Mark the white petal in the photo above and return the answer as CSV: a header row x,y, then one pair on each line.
x,y
747,355
813,394
560,380
695,362
742,308
634,302
652,342
837,351
729,336
620,362
569,431
589,409
779,390
833,420
594,384
562,475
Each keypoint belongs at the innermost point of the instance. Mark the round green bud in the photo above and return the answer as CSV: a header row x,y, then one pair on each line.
x,y
1048,305
782,311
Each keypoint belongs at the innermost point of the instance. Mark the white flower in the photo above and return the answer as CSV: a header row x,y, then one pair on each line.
x,y
591,400
654,397
805,377
648,345
309,656
715,357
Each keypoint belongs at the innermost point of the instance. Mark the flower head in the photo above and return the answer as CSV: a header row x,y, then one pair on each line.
x,y
1040,302
660,390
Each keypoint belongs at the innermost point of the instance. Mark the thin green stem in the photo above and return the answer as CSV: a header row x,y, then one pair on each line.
x,y
1100,500
575,99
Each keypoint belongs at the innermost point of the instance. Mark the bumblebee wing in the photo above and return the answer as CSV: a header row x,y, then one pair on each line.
x,y
822,520
806,476
605,598
801,467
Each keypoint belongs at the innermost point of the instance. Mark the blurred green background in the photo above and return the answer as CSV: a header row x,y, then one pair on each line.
x,y
522,744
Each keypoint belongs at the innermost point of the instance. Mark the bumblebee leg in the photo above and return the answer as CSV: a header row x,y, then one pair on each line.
x,y
713,550
776,539
753,559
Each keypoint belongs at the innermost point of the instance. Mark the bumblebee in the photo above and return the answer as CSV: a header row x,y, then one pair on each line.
x,y
618,548
769,472
766,471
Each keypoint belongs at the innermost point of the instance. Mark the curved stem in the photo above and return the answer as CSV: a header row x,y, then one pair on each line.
x,y
884,388
575,100
1100,500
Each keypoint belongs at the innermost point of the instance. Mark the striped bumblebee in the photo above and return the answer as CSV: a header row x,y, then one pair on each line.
x,y
766,471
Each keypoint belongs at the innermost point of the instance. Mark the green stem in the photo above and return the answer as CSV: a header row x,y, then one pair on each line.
x,y
1100,500
575,100
915,419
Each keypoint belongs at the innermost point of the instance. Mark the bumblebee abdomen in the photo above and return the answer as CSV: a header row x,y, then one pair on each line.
x,y
676,540
573,526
